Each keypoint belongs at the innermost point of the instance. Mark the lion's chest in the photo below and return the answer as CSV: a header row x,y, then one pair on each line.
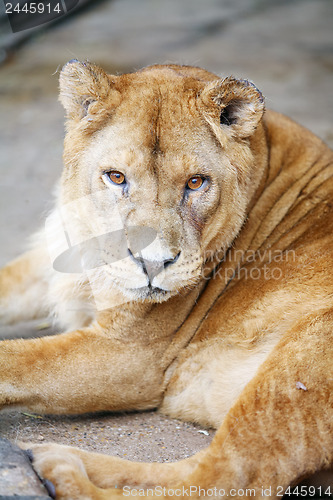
x,y
209,379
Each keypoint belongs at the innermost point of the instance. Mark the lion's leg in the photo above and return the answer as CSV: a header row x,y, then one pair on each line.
x,y
78,372
103,471
23,287
279,430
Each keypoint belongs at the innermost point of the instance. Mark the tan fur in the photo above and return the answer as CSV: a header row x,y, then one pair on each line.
x,y
225,318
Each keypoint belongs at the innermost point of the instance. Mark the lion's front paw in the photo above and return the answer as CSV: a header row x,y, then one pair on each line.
x,y
62,472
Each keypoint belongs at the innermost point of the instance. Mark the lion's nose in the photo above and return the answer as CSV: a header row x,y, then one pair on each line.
x,y
153,268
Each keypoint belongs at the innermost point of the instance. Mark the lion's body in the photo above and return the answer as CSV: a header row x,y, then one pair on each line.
x,y
225,317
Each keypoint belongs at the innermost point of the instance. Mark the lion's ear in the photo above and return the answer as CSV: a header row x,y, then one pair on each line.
x,y
238,104
81,85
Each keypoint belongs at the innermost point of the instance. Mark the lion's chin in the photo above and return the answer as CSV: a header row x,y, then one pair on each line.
x,y
149,294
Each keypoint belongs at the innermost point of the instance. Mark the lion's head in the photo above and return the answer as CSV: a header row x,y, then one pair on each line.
x,y
167,158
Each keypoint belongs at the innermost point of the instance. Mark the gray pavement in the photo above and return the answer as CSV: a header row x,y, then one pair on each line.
x,y
17,478
285,47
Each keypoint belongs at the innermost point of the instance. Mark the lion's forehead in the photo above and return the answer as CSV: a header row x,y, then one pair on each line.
x,y
115,147
154,110
162,80
156,128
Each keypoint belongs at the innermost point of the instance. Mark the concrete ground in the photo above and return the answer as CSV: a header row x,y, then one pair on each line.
x,y
285,47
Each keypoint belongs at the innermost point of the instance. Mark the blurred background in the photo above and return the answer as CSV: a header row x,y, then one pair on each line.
x,y
284,46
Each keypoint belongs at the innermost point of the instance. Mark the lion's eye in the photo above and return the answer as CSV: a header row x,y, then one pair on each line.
x,y
195,182
116,177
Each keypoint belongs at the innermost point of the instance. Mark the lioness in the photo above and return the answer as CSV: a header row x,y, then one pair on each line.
x,y
197,279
